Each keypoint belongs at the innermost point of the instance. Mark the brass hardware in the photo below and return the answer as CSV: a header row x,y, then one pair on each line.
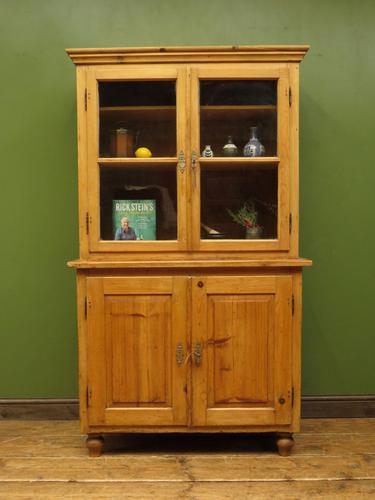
x,y
179,354
282,401
197,354
194,160
200,284
181,162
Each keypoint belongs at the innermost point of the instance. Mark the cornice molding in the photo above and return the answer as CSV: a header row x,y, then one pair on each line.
x,y
235,53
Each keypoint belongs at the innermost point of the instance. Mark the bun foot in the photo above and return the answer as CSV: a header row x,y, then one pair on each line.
x,y
285,443
94,444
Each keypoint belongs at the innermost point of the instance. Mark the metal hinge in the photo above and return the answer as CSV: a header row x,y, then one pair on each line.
x,y
85,306
85,99
292,397
87,397
290,97
87,222
293,304
290,223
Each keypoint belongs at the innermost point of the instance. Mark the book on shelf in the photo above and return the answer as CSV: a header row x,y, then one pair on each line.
x,y
134,219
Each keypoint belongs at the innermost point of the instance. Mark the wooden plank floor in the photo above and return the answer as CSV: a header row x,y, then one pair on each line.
x,y
333,458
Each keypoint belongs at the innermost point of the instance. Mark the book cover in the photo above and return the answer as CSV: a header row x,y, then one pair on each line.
x,y
134,219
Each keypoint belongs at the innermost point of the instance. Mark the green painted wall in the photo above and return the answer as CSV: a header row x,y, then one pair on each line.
x,y
39,187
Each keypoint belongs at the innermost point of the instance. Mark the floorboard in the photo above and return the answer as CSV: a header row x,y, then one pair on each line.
x,y
332,458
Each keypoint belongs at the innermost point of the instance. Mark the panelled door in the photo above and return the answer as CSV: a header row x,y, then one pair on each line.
x,y
136,347
242,350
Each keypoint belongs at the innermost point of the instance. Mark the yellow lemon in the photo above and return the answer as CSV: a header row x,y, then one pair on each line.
x,y
143,153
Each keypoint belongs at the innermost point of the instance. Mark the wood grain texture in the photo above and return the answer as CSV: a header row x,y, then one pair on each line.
x,y
82,307
294,156
81,86
229,53
138,340
283,137
332,458
192,264
135,325
244,327
290,490
238,349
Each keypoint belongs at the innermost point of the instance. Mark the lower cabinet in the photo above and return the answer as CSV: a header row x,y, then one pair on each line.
x,y
188,353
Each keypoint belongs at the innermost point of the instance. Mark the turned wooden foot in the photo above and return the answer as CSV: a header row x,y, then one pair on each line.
x,y
285,443
94,444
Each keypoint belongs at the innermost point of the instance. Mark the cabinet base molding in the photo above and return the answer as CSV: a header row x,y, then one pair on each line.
x,y
68,409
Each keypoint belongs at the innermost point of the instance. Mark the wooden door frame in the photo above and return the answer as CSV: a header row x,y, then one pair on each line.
x,y
279,72
131,73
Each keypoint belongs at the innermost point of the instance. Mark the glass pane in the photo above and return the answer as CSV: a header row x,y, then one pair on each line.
x,y
144,195
231,109
137,115
239,202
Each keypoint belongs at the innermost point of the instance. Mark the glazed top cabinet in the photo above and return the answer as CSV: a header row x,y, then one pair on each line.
x,y
171,104
189,278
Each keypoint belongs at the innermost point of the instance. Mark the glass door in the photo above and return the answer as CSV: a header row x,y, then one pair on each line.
x,y
240,171
136,159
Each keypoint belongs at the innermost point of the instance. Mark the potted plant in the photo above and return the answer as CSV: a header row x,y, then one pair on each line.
x,y
247,216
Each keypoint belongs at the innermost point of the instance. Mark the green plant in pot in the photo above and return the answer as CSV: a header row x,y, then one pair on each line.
x,y
247,216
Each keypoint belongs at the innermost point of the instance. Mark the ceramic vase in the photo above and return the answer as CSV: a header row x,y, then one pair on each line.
x,y
207,152
230,149
254,147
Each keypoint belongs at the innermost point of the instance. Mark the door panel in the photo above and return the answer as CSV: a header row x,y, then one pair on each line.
x,y
243,325
137,359
232,354
135,326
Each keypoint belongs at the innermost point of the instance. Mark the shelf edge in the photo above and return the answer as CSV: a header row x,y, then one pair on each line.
x,y
250,263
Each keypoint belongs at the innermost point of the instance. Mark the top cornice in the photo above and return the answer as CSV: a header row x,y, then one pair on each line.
x,y
235,53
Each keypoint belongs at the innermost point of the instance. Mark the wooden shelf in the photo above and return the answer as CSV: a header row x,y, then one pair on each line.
x,y
222,263
237,112
253,162
124,162
141,113
169,112
248,107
